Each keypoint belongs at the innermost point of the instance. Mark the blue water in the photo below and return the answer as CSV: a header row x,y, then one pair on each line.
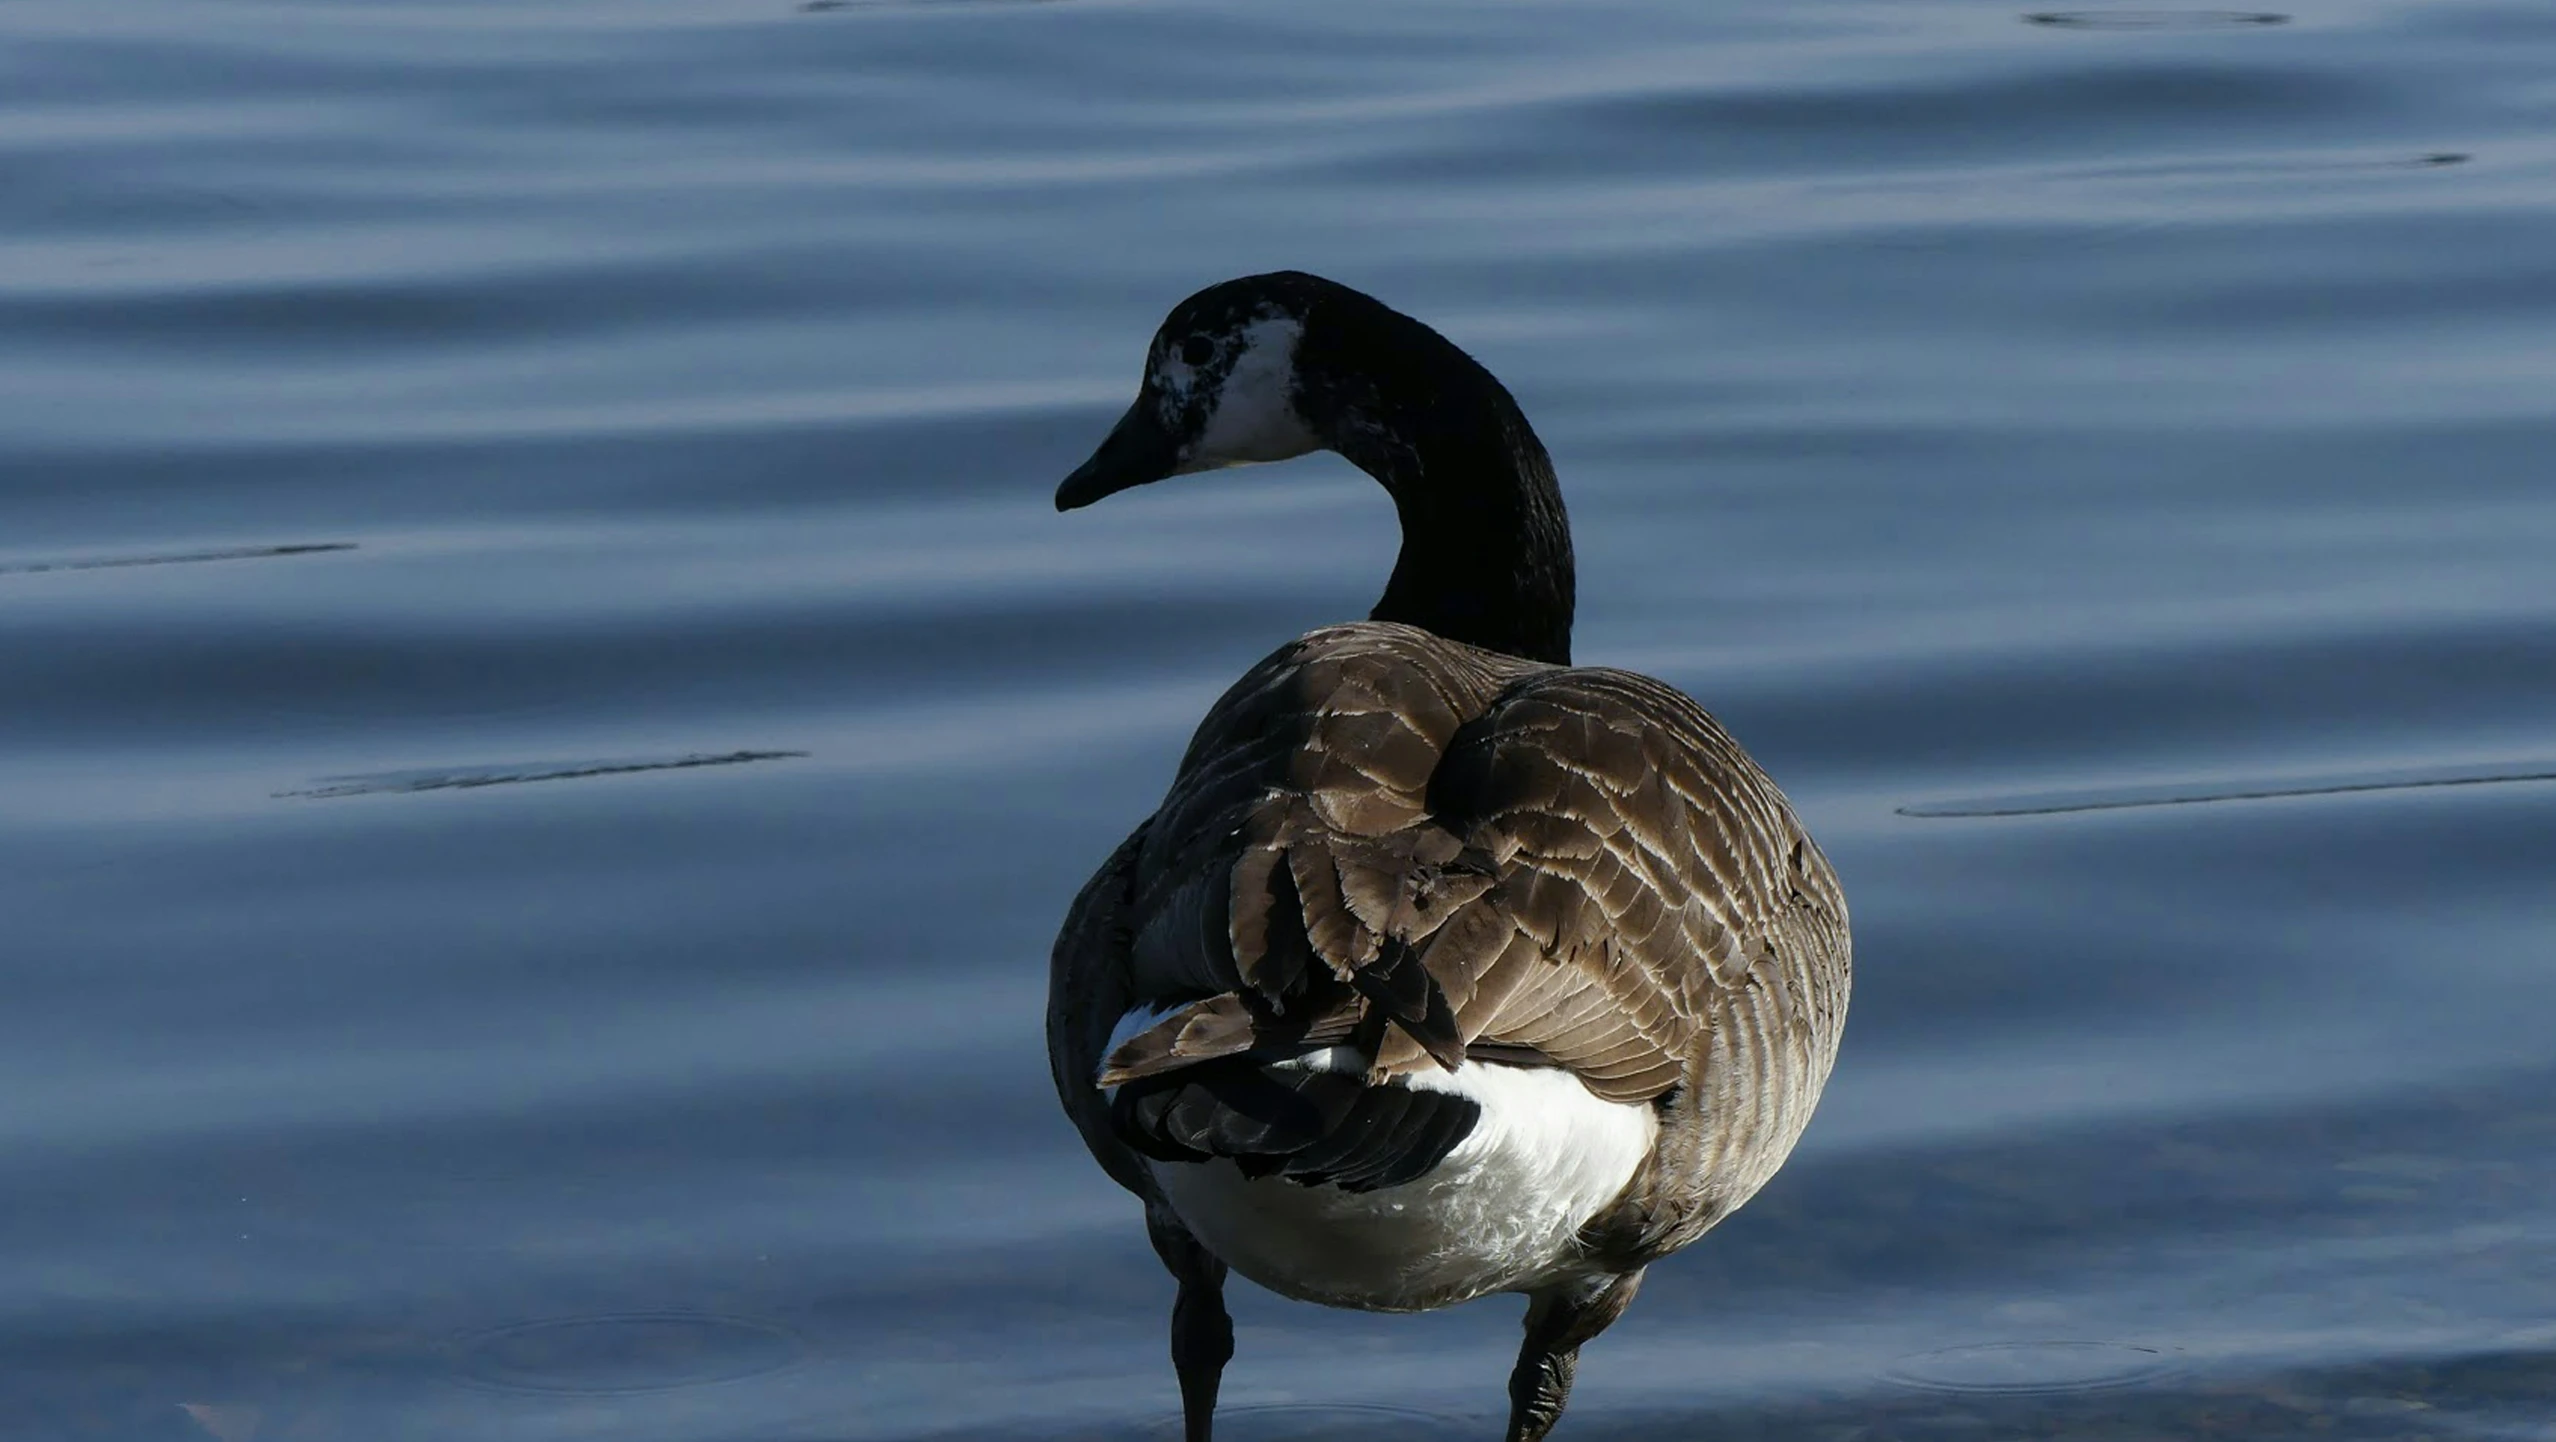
x,y
546,720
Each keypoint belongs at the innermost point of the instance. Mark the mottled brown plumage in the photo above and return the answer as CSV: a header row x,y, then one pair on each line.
x,y
1587,870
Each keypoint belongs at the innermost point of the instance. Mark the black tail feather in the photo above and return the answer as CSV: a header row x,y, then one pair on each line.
x,y
1337,1157
1313,1127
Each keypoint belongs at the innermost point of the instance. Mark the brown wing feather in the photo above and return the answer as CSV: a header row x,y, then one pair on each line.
x,y
1296,843
1639,849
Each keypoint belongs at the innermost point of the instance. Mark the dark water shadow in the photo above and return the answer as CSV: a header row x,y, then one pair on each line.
x,y
2189,793
175,558
2154,19
454,778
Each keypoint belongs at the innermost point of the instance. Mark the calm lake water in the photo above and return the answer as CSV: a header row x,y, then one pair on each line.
x,y
546,720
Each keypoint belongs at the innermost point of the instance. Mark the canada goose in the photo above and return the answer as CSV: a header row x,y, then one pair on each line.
x,y
1445,968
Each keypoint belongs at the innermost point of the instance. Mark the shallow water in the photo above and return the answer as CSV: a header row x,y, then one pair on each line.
x,y
548,722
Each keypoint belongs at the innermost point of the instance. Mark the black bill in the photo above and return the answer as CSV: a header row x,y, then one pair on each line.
x,y
1136,452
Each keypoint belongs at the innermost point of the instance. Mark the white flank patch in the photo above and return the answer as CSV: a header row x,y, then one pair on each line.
x,y
1253,415
1501,1213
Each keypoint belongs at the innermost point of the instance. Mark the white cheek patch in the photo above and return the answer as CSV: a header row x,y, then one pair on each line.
x,y
1254,413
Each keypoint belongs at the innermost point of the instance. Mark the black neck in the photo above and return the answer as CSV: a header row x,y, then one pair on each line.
x,y
1486,546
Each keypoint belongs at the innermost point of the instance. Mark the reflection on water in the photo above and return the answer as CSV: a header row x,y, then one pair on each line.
x,y
2052,418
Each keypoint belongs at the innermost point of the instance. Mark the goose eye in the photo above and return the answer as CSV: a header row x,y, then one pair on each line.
x,y
1195,351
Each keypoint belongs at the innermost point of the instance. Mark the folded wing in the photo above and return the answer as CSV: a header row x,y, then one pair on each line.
x,y
1428,852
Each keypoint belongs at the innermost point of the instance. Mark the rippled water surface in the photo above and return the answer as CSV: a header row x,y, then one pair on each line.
x,y
546,720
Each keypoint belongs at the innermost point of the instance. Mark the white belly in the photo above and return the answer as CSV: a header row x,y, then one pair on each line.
x,y
1501,1213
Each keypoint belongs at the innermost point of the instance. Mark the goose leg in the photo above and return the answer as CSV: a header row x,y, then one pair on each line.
x,y
1557,1322
1202,1336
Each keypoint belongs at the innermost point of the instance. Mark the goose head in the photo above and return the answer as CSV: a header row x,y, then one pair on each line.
x,y
1268,367
1221,388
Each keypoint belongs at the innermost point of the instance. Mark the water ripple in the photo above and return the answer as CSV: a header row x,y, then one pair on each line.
x,y
454,778
173,558
2155,19
2187,793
